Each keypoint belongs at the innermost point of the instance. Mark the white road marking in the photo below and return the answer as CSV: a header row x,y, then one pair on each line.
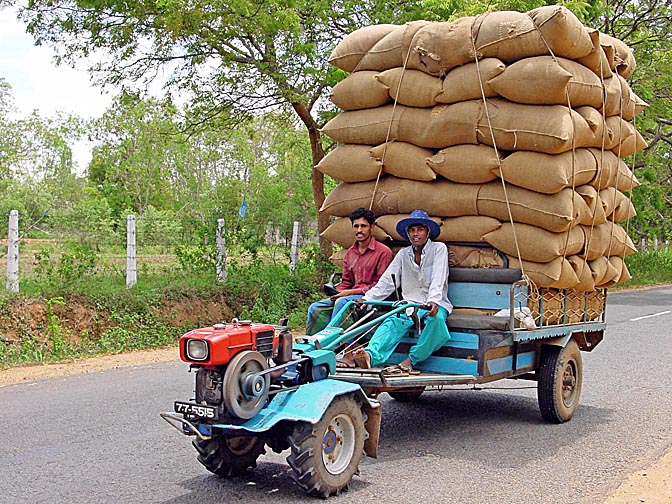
x,y
649,316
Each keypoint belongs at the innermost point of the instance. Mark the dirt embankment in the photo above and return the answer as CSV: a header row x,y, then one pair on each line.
x,y
75,318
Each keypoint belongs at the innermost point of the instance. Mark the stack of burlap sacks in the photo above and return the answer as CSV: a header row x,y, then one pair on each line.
x,y
508,128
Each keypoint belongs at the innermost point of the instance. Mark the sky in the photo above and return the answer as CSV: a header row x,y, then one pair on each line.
x,y
38,84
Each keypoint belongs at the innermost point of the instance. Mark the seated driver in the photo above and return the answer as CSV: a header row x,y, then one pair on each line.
x,y
423,271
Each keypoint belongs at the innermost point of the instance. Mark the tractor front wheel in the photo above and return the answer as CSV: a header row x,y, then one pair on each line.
x,y
229,455
325,456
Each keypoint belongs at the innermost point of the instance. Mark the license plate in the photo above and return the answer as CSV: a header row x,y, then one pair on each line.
x,y
193,410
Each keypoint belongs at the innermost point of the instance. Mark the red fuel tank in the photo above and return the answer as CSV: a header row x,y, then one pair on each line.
x,y
224,341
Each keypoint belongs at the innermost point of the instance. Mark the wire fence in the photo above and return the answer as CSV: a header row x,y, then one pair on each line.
x,y
38,253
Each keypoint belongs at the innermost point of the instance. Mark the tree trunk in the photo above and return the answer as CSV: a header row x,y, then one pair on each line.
x,y
317,178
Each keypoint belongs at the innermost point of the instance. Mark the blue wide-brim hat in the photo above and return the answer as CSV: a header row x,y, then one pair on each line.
x,y
418,217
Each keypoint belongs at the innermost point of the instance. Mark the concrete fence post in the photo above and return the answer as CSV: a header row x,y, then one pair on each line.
x,y
131,256
294,252
12,284
221,252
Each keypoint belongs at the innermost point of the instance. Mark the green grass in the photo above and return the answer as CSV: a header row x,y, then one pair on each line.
x,y
649,267
144,316
259,289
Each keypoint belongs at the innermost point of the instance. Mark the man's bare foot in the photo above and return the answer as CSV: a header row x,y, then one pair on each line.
x,y
362,358
406,365
345,362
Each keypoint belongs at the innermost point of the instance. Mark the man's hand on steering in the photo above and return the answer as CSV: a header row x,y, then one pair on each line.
x,y
343,293
434,310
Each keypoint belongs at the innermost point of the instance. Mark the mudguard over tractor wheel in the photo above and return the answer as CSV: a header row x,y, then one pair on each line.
x,y
228,455
560,380
325,456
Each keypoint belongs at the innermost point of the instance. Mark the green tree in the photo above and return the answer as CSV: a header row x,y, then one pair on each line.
x,y
134,160
646,26
232,58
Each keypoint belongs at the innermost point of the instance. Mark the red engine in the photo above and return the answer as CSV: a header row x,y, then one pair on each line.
x,y
217,345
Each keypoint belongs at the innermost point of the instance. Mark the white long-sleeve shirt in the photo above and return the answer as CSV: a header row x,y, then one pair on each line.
x,y
424,283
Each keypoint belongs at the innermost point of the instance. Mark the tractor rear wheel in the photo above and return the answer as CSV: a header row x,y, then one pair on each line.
x,y
229,455
325,456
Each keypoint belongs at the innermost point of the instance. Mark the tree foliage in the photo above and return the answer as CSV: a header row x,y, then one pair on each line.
x,y
251,73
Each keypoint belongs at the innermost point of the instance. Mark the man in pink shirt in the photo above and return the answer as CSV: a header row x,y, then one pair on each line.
x,y
364,263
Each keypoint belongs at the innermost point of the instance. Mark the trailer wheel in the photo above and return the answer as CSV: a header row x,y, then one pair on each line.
x,y
560,381
229,455
325,456
407,395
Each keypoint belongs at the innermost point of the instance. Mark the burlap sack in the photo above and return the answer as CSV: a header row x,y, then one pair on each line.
x,y
507,35
368,126
547,307
388,223
468,164
608,169
625,178
630,103
360,90
548,173
549,81
599,132
462,83
631,141
620,265
411,87
467,229
534,243
347,54
541,128
617,206
558,273
437,127
607,239
596,60
624,61
621,272
583,273
603,271
404,160
441,126
396,196
350,163
567,306
613,94
340,232
465,256
393,50
594,203
562,30
553,212
438,47
640,105
337,258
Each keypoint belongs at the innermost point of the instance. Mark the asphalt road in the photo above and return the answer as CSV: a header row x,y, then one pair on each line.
x,y
97,438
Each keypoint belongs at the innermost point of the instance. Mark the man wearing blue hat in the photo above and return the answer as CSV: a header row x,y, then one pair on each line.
x,y
423,271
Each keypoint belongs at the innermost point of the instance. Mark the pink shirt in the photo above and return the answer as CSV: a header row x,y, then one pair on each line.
x,y
361,271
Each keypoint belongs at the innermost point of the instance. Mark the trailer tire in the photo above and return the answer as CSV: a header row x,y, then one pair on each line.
x,y
560,382
229,455
325,456
407,395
